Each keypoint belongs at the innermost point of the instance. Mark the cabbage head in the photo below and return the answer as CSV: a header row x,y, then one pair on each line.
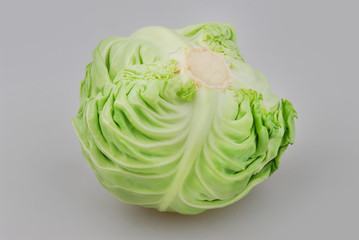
x,y
176,119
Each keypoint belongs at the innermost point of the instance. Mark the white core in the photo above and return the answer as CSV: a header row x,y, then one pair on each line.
x,y
207,68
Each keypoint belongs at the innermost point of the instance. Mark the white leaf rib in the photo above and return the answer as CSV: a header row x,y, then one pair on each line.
x,y
203,111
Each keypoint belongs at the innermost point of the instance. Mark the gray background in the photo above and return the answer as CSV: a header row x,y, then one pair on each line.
x,y
307,49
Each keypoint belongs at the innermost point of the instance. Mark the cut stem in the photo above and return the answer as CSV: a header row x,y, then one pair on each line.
x,y
207,68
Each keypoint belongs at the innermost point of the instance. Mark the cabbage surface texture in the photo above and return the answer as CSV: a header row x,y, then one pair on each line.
x,y
176,119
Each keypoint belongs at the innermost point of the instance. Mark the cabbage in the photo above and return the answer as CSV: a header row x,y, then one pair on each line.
x,y
176,120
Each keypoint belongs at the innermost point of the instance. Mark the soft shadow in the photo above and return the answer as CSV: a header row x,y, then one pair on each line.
x,y
240,209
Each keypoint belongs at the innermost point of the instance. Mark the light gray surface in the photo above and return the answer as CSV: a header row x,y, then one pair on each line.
x,y
307,49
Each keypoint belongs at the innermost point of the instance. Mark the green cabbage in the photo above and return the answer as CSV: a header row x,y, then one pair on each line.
x,y
176,120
